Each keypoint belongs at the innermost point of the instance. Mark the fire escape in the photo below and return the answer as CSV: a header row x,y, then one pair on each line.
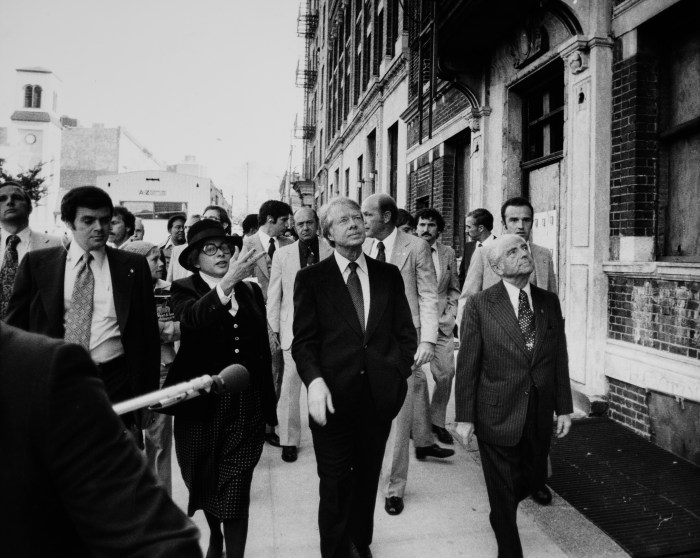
x,y
307,70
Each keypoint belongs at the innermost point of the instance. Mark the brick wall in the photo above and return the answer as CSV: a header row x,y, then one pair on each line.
x,y
633,187
660,314
449,105
628,405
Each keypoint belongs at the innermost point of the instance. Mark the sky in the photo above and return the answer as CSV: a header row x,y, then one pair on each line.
x,y
209,78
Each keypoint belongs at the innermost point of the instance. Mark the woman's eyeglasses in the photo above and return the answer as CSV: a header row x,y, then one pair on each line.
x,y
211,249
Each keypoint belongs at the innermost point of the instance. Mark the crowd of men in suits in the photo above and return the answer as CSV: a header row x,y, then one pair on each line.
x,y
359,310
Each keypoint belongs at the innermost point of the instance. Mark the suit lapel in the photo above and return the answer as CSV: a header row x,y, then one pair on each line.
x,y
122,285
264,262
339,296
401,250
503,312
540,318
377,304
50,279
444,264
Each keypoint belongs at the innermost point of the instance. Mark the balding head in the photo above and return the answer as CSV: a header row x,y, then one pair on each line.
x,y
510,258
305,223
380,213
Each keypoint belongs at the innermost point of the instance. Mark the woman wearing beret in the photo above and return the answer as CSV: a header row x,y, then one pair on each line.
x,y
219,439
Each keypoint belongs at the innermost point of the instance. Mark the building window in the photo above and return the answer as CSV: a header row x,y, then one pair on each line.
x,y
679,127
543,116
347,182
393,134
155,210
32,96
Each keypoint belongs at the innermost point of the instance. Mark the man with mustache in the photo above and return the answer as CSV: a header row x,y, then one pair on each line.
x,y
94,296
429,226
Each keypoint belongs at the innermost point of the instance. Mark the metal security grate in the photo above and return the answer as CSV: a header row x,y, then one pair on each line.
x,y
645,498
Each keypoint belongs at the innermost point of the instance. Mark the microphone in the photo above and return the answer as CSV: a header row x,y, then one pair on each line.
x,y
233,378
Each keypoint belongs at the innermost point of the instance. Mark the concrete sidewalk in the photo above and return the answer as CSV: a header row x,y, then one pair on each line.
x,y
446,513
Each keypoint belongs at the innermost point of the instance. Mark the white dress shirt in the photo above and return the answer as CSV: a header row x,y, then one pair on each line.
x,y
213,283
23,246
265,240
514,296
344,265
388,242
105,338
487,240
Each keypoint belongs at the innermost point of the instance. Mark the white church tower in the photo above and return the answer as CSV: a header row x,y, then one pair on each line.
x,y
34,136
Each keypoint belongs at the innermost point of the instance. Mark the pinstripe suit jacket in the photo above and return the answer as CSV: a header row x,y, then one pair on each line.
x,y
495,371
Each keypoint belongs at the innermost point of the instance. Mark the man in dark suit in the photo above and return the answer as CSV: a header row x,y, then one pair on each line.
x,y
74,484
478,225
354,343
16,238
512,376
93,295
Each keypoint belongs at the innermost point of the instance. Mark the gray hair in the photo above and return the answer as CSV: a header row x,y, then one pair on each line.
x,y
494,250
326,211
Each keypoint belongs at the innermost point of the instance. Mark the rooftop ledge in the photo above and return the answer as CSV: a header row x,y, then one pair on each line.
x,y
684,271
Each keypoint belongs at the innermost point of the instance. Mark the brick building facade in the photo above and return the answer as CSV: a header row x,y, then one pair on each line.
x,y
592,111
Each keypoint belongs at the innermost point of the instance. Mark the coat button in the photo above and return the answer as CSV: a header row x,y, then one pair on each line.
x,y
236,351
527,393
237,338
235,326
362,371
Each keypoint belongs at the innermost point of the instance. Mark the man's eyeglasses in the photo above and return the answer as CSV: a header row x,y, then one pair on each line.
x,y
211,249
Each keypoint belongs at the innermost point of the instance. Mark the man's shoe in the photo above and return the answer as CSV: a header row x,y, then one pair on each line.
x,y
443,435
272,439
542,495
289,454
356,552
433,451
393,505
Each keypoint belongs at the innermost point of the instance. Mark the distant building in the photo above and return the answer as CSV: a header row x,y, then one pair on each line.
x,y
156,195
33,136
91,152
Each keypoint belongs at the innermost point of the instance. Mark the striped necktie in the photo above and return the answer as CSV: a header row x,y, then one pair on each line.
x,y
8,273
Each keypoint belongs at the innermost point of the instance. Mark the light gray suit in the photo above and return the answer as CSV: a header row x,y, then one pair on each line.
x,y
442,367
413,258
261,271
280,317
480,276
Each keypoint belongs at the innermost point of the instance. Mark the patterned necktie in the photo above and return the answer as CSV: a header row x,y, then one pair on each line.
x,y
79,314
310,256
526,320
355,290
381,254
8,272
271,249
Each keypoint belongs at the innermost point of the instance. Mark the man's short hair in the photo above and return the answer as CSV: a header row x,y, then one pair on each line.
x,y
405,218
27,198
386,203
127,216
517,201
483,217
250,223
493,249
325,213
223,215
274,209
430,213
90,197
177,217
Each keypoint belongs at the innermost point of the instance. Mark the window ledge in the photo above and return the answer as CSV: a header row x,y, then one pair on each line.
x,y
667,270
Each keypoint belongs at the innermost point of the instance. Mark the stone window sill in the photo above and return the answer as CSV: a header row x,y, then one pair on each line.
x,y
657,270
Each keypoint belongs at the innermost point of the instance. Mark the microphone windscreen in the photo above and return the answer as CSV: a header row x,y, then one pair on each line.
x,y
233,378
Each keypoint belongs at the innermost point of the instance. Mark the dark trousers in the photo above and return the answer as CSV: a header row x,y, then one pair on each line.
x,y
115,375
349,451
511,475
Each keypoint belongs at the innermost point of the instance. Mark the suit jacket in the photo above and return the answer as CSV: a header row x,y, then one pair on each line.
x,y
280,293
37,305
448,288
413,258
480,276
469,248
261,271
329,343
70,466
495,371
211,339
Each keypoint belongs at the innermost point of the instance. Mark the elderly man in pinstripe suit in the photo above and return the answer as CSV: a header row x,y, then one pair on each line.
x,y
512,376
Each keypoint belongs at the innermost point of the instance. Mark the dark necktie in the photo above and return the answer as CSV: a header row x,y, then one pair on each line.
x,y
271,249
79,315
381,254
310,256
8,272
526,320
355,290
